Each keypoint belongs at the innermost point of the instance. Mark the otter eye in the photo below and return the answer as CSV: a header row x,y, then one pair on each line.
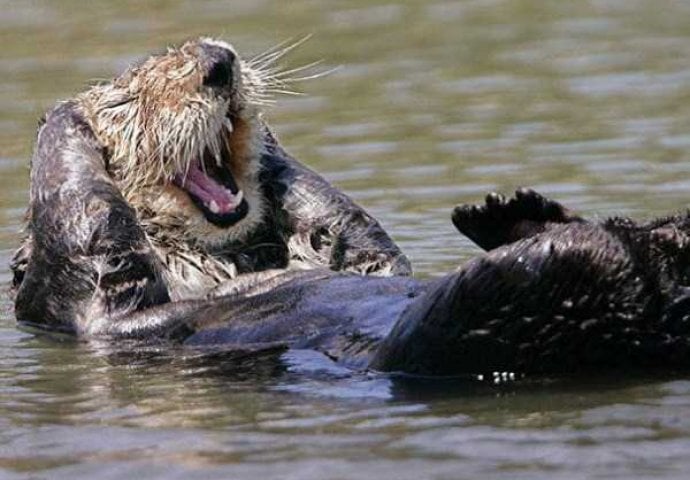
x,y
220,75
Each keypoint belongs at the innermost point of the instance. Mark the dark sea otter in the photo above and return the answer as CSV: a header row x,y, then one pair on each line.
x,y
162,209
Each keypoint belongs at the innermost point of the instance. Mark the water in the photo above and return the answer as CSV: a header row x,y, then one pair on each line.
x,y
436,102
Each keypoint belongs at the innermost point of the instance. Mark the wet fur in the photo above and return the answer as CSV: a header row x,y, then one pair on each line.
x,y
554,292
567,295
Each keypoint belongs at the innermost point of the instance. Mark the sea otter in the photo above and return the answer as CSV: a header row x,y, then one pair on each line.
x,y
170,173
163,209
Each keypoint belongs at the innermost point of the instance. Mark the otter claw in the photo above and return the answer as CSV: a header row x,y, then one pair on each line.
x,y
523,192
495,199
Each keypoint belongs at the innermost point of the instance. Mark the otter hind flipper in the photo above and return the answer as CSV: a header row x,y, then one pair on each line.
x,y
501,221
570,299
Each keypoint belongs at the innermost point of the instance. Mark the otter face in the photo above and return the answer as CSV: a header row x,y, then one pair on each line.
x,y
183,136
208,176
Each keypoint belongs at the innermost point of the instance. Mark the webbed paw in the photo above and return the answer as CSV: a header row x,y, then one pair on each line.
x,y
501,221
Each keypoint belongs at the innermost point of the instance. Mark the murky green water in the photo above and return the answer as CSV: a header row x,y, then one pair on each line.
x,y
436,102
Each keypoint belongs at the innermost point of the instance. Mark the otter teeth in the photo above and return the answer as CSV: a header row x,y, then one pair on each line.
x,y
238,198
228,125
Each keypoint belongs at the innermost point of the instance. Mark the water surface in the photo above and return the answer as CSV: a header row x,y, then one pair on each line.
x,y
435,103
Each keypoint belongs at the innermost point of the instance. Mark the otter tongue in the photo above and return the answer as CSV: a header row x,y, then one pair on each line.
x,y
216,197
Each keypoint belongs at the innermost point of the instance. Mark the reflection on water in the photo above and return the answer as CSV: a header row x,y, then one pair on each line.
x,y
435,103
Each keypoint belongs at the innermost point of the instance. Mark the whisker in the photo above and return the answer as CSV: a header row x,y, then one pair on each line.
x,y
279,73
285,92
258,58
314,76
270,58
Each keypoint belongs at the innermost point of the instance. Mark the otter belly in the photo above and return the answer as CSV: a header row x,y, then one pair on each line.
x,y
343,316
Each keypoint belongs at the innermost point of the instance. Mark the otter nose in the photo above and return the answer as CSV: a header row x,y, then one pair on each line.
x,y
219,66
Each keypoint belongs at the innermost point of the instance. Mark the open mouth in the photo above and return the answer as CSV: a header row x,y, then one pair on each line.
x,y
213,190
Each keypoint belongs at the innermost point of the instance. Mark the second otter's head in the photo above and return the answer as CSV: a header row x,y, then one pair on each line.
x,y
183,137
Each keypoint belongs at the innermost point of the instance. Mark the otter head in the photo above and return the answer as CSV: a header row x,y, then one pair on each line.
x,y
183,137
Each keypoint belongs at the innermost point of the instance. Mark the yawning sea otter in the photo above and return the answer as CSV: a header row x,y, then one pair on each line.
x,y
167,183
162,208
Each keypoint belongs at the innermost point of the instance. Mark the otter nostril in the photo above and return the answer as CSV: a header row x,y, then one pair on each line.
x,y
220,75
218,60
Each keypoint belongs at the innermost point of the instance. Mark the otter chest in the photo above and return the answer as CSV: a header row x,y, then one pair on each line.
x,y
193,273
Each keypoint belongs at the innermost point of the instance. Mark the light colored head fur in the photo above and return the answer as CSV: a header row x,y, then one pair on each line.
x,y
158,117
